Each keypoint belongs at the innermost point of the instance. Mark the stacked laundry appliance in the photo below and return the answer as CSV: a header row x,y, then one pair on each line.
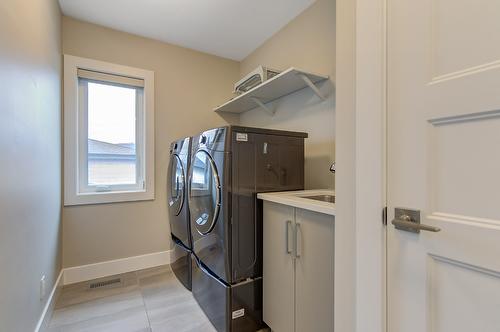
x,y
229,166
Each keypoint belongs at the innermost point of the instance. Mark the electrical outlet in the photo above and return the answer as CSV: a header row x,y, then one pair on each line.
x,y
42,288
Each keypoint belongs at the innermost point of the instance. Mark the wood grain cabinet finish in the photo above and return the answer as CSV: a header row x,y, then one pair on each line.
x,y
298,268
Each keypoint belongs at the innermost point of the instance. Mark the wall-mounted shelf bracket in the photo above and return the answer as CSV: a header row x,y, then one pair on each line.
x,y
263,106
279,86
313,87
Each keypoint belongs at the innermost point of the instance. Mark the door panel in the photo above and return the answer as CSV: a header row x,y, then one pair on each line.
x,y
457,148
212,295
474,291
208,226
314,269
176,184
443,136
452,19
176,197
278,267
245,228
204,192
181,264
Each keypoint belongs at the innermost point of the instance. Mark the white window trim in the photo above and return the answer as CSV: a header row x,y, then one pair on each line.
x,y
72,196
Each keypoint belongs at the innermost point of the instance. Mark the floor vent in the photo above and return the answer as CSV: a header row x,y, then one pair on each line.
x,y
105,283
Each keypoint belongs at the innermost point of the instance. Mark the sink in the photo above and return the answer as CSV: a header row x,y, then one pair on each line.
x,y
322,198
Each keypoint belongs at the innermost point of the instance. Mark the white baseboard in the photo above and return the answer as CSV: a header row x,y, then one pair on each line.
x,y
109,268
47,310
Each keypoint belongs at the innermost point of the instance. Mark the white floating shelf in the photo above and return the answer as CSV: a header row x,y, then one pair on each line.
x,y
286,82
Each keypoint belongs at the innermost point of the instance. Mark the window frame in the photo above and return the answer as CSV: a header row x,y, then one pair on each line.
x,y
76,190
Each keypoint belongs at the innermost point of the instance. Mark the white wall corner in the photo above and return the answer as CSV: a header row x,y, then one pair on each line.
x,y
44,320
370,99
359,234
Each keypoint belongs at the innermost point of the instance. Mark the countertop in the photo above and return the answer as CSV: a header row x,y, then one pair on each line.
x,y
296,199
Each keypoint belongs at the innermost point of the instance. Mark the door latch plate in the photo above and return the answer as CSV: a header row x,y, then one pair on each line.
x,y
402,214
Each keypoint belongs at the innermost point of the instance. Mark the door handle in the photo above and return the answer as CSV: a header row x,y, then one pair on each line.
x,y
297,241
413,226
409,220
287,232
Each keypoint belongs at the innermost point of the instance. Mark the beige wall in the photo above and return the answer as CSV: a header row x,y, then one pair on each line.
x,y
187,85
307,42
30,158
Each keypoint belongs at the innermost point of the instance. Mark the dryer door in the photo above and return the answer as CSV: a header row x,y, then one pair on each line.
x,y
204,192
177,185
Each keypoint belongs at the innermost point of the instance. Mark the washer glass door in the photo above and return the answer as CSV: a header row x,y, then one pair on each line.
x,y
177,185
204,192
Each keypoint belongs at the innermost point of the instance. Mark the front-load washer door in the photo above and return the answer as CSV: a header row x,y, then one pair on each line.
x,y
204,193
177,184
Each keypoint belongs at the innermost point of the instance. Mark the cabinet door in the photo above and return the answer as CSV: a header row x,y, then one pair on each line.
x,y
314,272
278,272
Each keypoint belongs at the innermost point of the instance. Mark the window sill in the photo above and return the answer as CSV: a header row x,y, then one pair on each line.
x,y
108,197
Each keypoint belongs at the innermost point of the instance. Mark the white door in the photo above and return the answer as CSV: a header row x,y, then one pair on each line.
x,y
444,160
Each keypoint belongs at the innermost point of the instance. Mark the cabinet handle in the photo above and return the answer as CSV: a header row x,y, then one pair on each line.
x,y
287,226
297,241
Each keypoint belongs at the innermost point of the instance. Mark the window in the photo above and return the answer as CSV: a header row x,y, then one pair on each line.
x,y
112,114
109,120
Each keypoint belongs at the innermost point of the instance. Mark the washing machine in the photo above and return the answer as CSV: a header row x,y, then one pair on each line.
x,y
178,211
229,166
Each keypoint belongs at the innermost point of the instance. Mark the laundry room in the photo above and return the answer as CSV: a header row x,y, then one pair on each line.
x,y
186,131
249,166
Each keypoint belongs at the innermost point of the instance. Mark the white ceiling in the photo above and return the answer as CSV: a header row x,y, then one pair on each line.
x,y
227,28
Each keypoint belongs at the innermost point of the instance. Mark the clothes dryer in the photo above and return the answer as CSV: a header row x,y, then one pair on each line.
x,y
229,166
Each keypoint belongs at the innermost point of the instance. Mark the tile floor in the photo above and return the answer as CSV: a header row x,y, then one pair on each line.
x,y
148,300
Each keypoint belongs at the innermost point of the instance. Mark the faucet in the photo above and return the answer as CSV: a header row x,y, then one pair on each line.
x,y
332,167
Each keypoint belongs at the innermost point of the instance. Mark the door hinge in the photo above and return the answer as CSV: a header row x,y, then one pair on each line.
x,y
384,216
